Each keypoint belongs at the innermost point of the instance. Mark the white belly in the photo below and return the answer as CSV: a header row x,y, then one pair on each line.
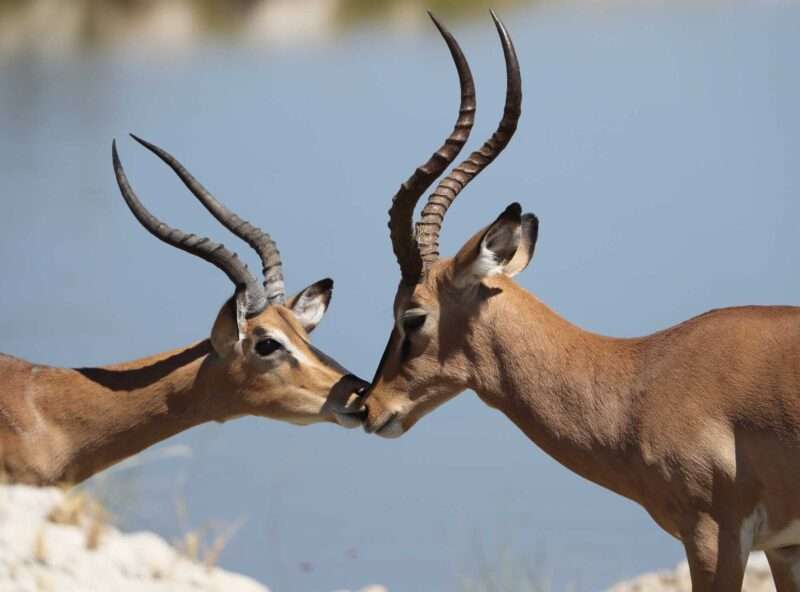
x,y
786,537
757,534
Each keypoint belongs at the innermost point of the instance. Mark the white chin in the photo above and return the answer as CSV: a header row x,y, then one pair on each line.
x,y
393,429
347,421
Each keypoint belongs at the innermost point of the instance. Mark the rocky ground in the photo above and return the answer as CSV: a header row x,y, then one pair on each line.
x,y
56,542
757,579
52,541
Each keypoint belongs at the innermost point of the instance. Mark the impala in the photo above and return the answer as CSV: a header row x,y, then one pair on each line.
x,y
699,423
60,425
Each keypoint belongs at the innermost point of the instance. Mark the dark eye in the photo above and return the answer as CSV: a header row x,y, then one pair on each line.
x,y
413,323
266,347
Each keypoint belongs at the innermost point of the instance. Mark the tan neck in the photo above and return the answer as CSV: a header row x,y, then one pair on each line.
x,y
569,390
70,424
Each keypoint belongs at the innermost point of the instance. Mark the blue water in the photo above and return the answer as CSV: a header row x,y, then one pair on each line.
x,y
659,146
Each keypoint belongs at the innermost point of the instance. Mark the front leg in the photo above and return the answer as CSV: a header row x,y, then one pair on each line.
x,y
716,556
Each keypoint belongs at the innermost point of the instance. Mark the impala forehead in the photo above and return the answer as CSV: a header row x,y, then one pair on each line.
x,y
281,319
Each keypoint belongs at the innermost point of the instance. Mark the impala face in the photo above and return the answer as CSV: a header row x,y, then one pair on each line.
x,y
443,325
442,306
262,361
274,371
418,372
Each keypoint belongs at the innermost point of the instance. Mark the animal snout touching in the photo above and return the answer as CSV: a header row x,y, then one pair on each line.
x,y
346,401
381,421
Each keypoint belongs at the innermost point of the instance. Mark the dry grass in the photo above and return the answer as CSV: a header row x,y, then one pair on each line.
x,y
40,546
206,543
507,572
86,508
80,508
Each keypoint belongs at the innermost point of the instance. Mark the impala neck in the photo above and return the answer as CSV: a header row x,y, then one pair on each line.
x,y
569,390
87,419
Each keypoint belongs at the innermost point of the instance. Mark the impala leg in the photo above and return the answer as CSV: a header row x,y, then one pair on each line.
x,y
716,558
785,567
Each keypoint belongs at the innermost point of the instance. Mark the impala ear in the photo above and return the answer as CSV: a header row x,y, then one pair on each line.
x,y
227,329
310,305
491,250
529,232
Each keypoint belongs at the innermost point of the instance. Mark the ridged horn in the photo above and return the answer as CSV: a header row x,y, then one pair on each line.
x,y
252,293
432,216
401,213
260,241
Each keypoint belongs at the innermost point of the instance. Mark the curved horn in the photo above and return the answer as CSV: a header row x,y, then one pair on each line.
x,y
255,299
401,214
432,216
259,240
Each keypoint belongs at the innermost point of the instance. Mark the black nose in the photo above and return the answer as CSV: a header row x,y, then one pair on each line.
x,y
358,386
348,392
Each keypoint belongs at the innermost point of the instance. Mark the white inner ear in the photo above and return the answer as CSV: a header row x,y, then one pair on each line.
x,y
309,310
486,263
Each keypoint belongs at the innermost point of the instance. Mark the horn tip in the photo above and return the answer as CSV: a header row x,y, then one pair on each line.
x,y
498,23
114,153
138,139
435,21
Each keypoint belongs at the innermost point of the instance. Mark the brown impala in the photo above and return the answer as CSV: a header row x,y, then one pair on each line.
x,y
60,425
699,423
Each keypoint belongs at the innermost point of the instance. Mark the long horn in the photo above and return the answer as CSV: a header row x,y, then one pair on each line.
x,y
432,216
255,299
401,214
259,240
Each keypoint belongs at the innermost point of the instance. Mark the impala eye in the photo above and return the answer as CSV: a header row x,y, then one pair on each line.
x,y
411,323
266,347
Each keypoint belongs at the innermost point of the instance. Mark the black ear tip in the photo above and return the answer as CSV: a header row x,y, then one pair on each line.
x,y
530,219
325,284
513,211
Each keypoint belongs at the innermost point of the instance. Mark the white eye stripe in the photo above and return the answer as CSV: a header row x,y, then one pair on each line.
x,y
281,338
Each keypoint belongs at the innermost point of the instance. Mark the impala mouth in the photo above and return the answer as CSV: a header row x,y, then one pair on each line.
x,y
350,419
346,402
388,426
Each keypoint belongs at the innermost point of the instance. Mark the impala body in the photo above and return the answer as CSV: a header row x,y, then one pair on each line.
x,y
699,423
60,425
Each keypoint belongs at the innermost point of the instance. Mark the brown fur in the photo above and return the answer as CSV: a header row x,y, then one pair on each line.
x,y
699,423
61,425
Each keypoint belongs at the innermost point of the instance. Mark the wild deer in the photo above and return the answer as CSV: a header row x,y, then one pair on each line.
x,y
698,423
60,425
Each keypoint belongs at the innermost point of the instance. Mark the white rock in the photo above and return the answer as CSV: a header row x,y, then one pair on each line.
x,y
37,555
757,579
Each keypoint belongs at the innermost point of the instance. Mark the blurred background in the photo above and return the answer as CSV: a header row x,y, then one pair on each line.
x,y
659,146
